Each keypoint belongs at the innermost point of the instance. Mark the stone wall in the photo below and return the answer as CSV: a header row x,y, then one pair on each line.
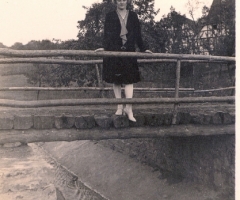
x,y
204,159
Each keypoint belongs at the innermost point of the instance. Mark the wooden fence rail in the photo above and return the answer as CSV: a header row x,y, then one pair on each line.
x,y
110,89
107,101
89,62
55,53
214,90
89,89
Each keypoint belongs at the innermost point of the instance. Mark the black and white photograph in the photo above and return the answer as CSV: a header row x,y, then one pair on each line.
x,y
118,100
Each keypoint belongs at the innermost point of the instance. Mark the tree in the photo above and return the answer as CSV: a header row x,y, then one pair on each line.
x,y
205,11
150,33
37,45
17,46
2,45
228,23
90,33
177,32
192,7
145,10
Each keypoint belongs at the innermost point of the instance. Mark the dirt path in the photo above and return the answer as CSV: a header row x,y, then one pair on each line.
x,y
26,172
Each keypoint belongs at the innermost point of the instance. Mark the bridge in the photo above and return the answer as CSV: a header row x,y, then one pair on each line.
x,y
189,122
114,127
69,124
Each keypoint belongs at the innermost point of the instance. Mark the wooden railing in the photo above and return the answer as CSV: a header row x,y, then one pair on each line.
x,y
56,53
49,57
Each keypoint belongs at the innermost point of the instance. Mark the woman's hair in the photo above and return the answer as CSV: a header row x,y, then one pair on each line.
x,y
129,3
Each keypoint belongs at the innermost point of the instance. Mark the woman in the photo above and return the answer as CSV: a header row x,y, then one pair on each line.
x,y
121,33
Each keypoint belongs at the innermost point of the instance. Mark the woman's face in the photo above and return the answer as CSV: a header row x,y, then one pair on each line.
x,y
121,4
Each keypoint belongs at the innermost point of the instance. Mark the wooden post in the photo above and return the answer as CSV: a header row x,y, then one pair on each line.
x,y
178,69
98,74
101,92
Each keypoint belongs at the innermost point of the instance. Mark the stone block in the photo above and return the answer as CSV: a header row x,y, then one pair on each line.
x,y
183,118
153,119
64,121
43,122
203,119
217,164
140,121
216,118
120,121
6,122
206,119
12,145
23,122
226,118
80,122
218,178
104,121
167,118
233,118
84,122
196,119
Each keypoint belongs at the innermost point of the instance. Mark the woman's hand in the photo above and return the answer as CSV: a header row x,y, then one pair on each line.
x,y
148,51
100,49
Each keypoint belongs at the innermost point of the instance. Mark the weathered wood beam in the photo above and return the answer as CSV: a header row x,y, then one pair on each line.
x,y
32,135
86,88
49,61
98,74
214,90
107,101
177,83
54,53
86,62
74,62
108,89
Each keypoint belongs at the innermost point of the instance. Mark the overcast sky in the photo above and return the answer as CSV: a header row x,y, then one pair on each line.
x,y
26,20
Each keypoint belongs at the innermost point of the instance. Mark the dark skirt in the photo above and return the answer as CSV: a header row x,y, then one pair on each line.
x,y
120,70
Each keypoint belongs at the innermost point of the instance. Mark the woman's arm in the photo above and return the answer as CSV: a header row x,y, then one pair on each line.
x,y
138,33
99,49
106,35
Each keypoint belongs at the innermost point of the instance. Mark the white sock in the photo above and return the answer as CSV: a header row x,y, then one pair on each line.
x,y
129,90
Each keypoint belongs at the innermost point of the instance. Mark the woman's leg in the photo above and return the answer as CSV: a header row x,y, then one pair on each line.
x,y
128,109
129,91
117,93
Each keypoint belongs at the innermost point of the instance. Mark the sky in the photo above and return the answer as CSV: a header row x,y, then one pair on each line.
x,y
26,20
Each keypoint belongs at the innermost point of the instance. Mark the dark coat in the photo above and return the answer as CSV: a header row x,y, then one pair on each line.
x,y
121,70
